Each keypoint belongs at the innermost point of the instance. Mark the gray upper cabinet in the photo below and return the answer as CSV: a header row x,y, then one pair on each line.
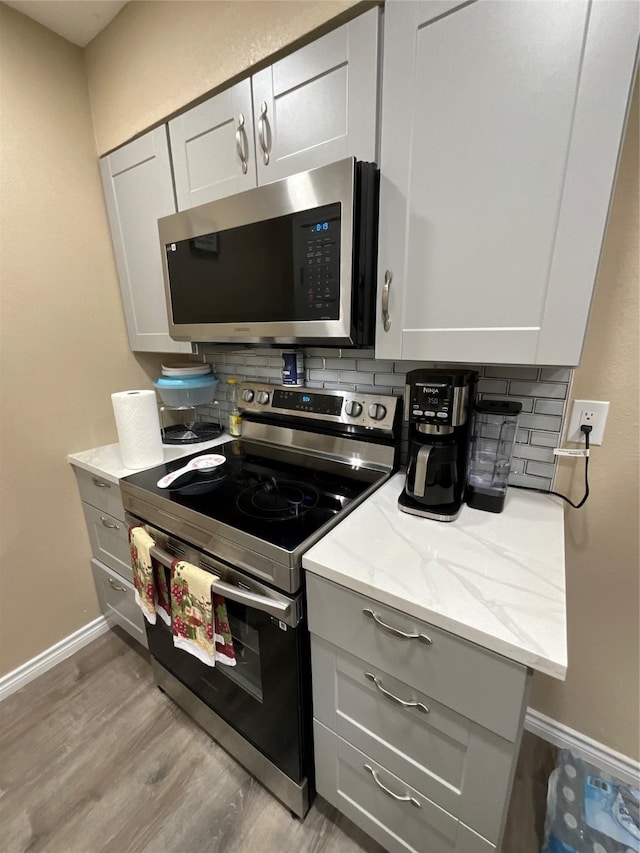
x,y
319,104
313,107
138,190
212,148
501,130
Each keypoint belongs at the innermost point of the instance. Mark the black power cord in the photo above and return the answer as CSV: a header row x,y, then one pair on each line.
x,y
586,429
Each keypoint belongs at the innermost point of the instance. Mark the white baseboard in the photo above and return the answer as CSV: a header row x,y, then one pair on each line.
x,y
17,678
620,766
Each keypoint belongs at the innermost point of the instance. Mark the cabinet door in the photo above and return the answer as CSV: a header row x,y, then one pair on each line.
x,y
212,148
501,128
319,104
139,190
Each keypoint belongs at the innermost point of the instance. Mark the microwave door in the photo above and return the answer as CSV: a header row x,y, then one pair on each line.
x,y
273,264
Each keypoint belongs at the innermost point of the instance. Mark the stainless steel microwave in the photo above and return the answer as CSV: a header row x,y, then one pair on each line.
x,y
290,262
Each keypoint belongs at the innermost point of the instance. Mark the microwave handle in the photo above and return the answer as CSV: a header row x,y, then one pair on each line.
x,y
280,608
386,320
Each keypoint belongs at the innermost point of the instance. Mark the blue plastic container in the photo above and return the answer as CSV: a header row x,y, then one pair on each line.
x,y
181,389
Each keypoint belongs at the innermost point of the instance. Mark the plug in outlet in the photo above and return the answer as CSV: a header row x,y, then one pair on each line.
x,y
592,412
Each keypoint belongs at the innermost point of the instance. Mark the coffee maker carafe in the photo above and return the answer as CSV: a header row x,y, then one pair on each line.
x,y
437,406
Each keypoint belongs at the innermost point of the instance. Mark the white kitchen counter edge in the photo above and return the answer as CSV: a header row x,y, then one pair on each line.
x,y
106,461
497,580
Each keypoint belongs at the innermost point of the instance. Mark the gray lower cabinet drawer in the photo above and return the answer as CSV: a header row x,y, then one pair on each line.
x,y
384,805
456,763
100,493
109,540
117,602
473,681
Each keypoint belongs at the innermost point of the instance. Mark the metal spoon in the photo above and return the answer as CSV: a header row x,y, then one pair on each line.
x,y
201,463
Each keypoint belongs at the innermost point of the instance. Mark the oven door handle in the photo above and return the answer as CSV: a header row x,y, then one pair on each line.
x,y
283,609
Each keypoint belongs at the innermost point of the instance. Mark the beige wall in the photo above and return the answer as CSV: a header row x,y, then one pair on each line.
x,y
156,57
64,347
601,694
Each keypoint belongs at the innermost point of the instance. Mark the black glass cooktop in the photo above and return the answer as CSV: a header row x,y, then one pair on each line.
x,y
281,497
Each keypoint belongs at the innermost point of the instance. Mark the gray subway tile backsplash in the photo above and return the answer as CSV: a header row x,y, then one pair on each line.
x,y
389,379
555,374
517,479
540,422
537,454
340,363
549,407
355,377
541,391
540,469
492,386
517,372
329,375
546,439
375,365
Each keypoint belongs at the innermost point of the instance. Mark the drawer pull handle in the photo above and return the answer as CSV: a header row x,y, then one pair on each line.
x,y
115,586
397,797
419,706
100,483
396,631
108,524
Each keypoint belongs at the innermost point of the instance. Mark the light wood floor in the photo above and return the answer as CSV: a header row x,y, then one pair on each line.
x,y
95,759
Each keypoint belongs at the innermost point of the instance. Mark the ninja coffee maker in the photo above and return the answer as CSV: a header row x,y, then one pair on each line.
x,y
437,405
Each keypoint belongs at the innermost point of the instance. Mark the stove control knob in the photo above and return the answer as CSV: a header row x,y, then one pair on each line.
x,y
247,395
353,408
377,411
263,397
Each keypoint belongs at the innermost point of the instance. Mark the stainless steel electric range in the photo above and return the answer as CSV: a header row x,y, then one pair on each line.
x,y
306,458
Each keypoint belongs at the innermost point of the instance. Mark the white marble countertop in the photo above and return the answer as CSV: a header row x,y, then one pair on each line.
x,y
495,579
106,461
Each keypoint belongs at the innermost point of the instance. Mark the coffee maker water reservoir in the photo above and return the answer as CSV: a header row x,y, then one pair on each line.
x,y
493,435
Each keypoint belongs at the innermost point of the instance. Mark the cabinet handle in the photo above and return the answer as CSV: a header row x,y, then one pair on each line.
x,y
417,705
262,132
390,793
106,523
396,631
100,483
115,586
386,322
241,144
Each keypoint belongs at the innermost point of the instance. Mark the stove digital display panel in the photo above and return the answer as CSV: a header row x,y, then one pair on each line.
x,y
303,401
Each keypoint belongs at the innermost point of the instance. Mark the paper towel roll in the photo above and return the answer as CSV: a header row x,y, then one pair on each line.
x,y
138,426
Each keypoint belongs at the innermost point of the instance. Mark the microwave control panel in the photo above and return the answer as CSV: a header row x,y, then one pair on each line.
x,y
316,254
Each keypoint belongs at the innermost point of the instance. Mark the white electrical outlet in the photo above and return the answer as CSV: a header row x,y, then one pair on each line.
x,y
592,412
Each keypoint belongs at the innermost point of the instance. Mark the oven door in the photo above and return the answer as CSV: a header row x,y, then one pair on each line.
x,y
264,696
